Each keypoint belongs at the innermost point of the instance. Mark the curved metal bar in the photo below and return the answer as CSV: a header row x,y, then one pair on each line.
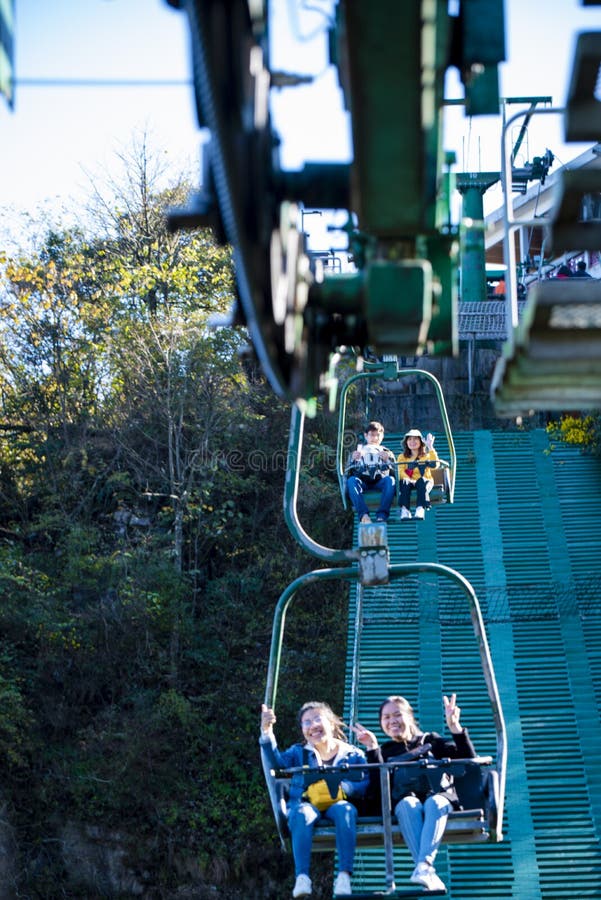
x,y
295,443
401,373
509,223
357,634
378,373
279,620
401,570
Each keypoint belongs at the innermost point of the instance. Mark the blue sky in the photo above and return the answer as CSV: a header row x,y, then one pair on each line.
x,y
56,137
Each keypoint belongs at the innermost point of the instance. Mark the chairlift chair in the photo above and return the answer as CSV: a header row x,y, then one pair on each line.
x,y
480,782
555,360
388,370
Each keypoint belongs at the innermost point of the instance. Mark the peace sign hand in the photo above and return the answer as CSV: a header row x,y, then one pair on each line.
x,y
452,713
365,737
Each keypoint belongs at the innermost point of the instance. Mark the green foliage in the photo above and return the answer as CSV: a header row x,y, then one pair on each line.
x,y
16,719
142,552
584,431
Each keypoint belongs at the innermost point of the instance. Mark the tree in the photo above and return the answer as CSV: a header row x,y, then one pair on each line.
x,y
143,546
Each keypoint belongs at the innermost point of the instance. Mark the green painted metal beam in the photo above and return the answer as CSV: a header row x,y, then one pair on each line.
x,y
397,57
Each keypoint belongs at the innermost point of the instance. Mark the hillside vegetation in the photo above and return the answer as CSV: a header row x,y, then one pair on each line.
x,y
142,551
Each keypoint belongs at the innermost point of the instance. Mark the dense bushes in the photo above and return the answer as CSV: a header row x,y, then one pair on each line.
x,y
142,551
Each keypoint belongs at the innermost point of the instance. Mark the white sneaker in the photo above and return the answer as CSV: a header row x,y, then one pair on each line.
x,y
405,514
425,875
420,873
435,883
342,885
302,887
420,512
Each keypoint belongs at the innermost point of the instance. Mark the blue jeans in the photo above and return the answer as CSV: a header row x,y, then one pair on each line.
x,y
385,485
301,819
422,825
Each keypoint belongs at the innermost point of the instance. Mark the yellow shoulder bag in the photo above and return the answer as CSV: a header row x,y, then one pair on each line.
x,y
318,795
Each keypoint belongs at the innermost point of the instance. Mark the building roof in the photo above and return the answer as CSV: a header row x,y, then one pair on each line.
x,y
483,321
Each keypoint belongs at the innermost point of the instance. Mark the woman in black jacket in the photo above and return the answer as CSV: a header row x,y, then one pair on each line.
x,y
421,813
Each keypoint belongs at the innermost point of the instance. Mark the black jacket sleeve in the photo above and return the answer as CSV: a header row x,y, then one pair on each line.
x,y
374,756
460,747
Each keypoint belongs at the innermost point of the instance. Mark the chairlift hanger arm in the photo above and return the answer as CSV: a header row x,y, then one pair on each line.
x,y
523,381
295,444
533,102
391,372
400,570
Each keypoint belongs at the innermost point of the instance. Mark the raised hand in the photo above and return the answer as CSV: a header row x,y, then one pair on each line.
x,y
365,737
452,713
429,442
268,719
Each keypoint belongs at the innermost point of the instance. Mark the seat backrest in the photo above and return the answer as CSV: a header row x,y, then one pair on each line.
x,y
439,492
471,787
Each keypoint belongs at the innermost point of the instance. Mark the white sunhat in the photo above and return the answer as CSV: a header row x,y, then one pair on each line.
x,y
414,433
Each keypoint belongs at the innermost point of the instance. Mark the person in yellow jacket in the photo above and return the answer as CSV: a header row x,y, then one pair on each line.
x,y
415,464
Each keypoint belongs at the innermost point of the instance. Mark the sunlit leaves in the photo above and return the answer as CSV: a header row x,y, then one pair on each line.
x,y
143,545
584,431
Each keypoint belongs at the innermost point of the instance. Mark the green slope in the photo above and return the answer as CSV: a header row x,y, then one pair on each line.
x,y
525,530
